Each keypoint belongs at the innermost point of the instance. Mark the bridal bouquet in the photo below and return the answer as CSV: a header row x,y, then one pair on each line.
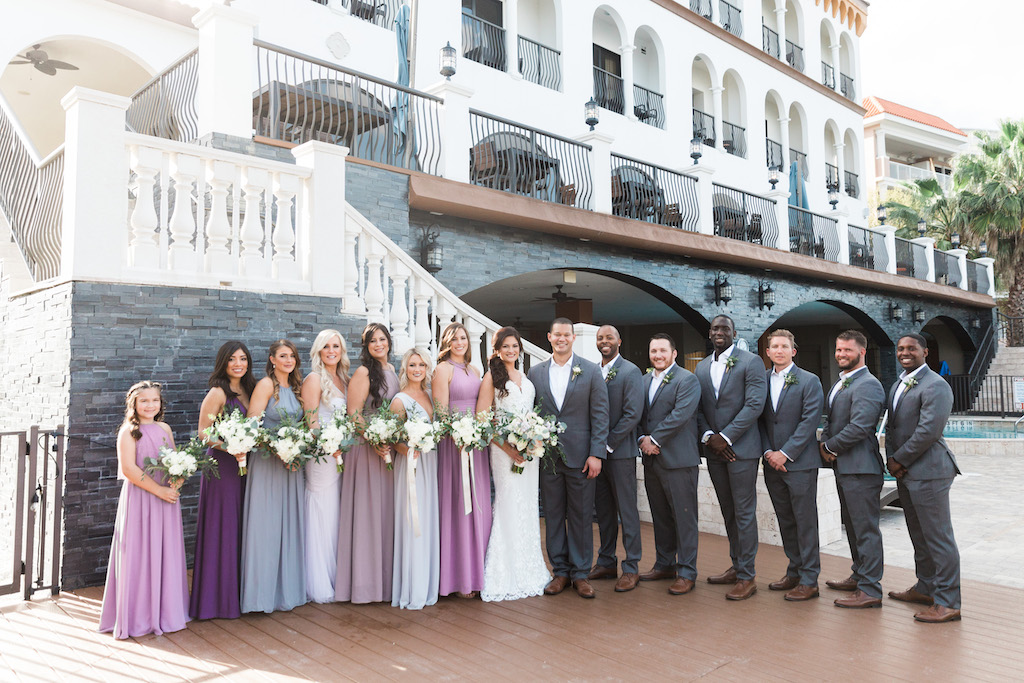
x,y
337,437
179,464
421,435
383,429
532,434
237,434
292,443
471,432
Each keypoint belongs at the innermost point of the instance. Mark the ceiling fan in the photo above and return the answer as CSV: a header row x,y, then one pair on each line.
x,y
42,62
558,296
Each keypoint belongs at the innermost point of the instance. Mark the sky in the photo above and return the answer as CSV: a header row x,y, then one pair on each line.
x,y
958,59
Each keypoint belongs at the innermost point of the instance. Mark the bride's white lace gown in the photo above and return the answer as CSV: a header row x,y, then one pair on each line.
x,y
514,566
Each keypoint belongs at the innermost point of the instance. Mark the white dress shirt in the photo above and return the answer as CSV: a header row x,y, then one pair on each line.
x,y
902,388
656,378
606,368
559,377
776,383
839,385
719,368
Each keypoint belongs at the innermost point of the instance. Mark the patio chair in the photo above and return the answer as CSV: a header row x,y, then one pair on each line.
x,y
483,164
673,216
567,194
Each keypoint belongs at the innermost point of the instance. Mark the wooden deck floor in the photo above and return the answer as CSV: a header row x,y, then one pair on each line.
x,y
645,634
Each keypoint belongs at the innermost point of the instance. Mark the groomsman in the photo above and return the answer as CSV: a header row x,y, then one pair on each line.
x,y
668,442
924,468
732,396
850,445
789,426
615,493
571,389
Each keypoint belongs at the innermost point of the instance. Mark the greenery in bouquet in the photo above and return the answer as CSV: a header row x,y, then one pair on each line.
x,y
337,436
178,464
236,434
292,442
382,429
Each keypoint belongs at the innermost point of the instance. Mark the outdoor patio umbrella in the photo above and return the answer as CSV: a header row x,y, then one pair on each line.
x,y
400,104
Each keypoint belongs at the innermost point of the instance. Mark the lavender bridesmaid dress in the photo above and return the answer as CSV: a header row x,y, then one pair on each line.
x,y
463,537
147,585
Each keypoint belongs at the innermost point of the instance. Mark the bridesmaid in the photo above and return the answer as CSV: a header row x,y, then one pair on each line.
x,y
417,559
367,528
323,393
273,566
147,584
456,385
219,519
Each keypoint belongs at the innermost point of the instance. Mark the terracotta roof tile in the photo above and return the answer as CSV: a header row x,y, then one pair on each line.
x,y
876,105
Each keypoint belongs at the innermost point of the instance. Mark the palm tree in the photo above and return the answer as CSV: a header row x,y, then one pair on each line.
x,y
925,200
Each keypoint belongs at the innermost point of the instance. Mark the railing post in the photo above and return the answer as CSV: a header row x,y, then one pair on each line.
x,y
94,226
780,26
842,217
929,255
143,247
988,264
456,132
324,225
600,169
512,38
961,259
889,233
627,80
705,197
226,62
780,196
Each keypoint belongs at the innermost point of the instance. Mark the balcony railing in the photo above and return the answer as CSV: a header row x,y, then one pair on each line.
x,y
798,157
378,12
906,173
526,161
701,7
300,98
704,127
649,106
977,277
734,139
814,235
867,249
540,64
654,194
851,183
846,87
773,154
947,268
483,42
166,106
831,176
743,216
795,56
910,259
608,91
770,42
828,76
730,18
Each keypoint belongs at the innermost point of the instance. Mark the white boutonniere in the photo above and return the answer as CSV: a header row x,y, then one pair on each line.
x,y
847,381
611,374
576,371
668,378
790,379
910,383
648,371
729,362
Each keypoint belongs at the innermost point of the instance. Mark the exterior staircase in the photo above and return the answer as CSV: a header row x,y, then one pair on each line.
x,y
998,384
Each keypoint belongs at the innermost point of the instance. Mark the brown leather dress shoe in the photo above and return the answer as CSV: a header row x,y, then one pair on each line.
x,y
627,582
600,572
786,583
937,614
556,585
911,595
849,584
742,590
657,575
681,586
858,600
726,577
802,592
583,588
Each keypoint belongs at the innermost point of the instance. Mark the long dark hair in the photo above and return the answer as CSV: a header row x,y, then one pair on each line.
x,y
294,377
131,413
219,377
378,380
499,373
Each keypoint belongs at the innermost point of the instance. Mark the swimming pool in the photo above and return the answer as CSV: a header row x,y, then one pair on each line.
x,y
981,428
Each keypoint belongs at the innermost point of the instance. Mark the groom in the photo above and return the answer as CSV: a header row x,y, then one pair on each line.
x,y
572,390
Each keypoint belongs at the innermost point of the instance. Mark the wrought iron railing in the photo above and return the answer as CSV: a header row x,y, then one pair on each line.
x,y
31,198
734,139
795,56
992,395
770,42
831,175
483,42
828,76
799,158
730,17
608,91
704,127
905,264
166,106
649,106
773,154
701,7
850,180
867,248
947,268
514,158
540,64
301,98
378,12
973,272
743,216
846,87
655,194
812,234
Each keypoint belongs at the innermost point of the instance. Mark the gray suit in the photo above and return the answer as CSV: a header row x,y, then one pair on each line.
x,y
850,434
913,438
567,494
734,413
791,427
671,476
615,493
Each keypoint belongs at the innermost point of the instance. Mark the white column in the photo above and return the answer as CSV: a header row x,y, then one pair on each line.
x,y
399,314
929,257
512,37
627,80
226,61
889,232
324,225
705,196
842,217
285,263
716,99
184,171
840,166
780,195
600,169
456,134
961,258
476,332
988,263
255,182
784,141
835,64
94,226
881,157
780,26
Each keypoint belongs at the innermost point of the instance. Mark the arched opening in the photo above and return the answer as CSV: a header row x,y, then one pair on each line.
x,y
851,163
608,32
832,169
702,80
846,67
827,38
950,348
794,36
798,139
648,86
773,130
734,119
539,45
770,29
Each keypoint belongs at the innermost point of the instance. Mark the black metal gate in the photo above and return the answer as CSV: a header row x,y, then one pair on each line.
x,y
31,510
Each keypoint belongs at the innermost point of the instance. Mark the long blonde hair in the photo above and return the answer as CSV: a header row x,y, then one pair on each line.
x,y
131,413
403,379
318,367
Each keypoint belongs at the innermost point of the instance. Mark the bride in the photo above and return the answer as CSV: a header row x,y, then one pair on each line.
x,y
514,566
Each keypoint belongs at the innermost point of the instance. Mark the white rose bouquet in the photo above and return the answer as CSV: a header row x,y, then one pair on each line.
x,y
383,429
470,432
179,464
337,437
237,435
531,434
292,443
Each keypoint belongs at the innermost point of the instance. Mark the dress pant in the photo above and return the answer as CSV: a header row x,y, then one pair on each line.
x,y
615,500
736,487
568,498
859,496
936,557
795,499
672,494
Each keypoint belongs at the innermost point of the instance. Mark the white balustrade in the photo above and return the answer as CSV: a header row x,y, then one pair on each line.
x,y
143,245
